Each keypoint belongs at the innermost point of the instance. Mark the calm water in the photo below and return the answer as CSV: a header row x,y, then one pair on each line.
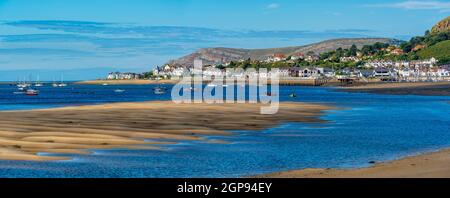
x,y
370,128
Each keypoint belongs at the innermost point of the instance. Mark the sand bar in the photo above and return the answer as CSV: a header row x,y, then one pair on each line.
x,y
432,165
418,88
75,130
398,85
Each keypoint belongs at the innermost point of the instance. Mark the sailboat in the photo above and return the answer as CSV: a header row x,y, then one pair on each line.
x,y
54,84
38,83
62,84
22,85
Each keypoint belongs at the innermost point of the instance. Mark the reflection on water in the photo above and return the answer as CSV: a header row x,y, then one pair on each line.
x,y
369,128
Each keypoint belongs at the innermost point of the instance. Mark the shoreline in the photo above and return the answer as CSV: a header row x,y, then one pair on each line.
x,y
417,88
126,82
424,165
283,82
77,129
393,88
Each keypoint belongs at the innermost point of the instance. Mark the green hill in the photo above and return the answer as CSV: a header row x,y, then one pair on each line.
x,y
441,51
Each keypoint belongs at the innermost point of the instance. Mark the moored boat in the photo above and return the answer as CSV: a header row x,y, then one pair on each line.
x,y
32,92
61,84
159,90
38,83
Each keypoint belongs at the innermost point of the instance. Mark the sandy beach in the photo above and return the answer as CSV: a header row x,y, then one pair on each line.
x,y
25,134
291,82
419,88
432,165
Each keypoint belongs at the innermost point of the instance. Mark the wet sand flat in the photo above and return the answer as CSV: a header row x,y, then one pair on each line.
x,y
432,165
25,134
419,88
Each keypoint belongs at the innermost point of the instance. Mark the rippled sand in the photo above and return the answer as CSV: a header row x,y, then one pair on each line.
x,y
75,130
433,165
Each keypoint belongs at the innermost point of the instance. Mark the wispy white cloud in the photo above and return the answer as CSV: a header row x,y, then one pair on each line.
x,y
74,43
334,14
415,5
273,6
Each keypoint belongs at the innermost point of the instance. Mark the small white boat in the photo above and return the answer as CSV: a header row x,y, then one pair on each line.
x,y
32,92
59,85
105,84
22,85
159,90
211,85
119,90
62,84
190,89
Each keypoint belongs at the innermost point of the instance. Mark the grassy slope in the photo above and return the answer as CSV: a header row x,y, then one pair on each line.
x,y
441,51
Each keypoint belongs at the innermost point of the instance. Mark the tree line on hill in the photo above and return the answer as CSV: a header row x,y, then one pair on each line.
x,y
378,51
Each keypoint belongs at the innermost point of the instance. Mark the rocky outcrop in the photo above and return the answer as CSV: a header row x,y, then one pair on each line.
x,y
222,55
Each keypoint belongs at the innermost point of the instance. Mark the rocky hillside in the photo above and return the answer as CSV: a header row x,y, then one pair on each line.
x,y
214,55
442,26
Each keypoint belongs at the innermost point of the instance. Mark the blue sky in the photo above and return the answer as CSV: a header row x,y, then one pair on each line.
x,y
48,36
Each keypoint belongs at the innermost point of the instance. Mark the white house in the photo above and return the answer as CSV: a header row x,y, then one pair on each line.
x,y
382,72
443,73
179,72
123,76
350,59
298,56
405,73
377,64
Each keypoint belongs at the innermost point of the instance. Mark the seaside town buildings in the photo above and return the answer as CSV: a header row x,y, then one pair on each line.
x,y
419,70
124,76
386,70
350,59
298,56
275,58
429,63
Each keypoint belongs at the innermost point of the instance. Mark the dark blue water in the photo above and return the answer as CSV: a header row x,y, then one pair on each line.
x,y
370,128
75,95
